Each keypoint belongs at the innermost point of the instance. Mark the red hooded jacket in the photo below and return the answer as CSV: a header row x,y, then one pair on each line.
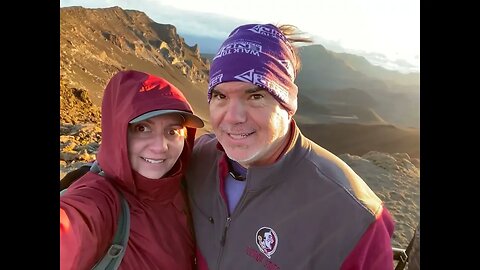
x,y
160,234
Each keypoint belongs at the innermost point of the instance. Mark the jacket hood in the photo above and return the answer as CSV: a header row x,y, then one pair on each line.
x,y
128,95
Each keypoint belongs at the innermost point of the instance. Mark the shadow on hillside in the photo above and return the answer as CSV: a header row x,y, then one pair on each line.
x,y
358,139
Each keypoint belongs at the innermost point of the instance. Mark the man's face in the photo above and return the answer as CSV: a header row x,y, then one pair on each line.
x,y
248,122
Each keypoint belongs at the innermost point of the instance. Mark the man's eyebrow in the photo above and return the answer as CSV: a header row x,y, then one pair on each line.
x,y
215,91
255,89
248,91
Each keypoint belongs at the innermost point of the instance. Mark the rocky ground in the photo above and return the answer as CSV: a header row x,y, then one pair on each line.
x,y
396,181
78,145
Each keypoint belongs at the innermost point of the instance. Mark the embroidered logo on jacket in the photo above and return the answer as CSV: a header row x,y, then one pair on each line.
x,y
267,241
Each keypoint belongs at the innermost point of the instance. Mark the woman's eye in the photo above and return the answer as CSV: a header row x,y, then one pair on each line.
x,y
172,132
177,132
141,128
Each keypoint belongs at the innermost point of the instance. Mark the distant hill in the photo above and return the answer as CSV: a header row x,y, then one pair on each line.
x,y
356,139
322,69
208,45
389,76
208,56
325,73
343,106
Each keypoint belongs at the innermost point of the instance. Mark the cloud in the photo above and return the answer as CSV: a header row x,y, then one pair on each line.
x,y
197,23
386,62
378,59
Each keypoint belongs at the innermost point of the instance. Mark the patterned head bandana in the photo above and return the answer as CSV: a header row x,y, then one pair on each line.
x,y
259,54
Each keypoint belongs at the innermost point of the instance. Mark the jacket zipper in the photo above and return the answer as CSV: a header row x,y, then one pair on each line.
x,y
224,233
225,229
222,242
229,218
224,236
227,224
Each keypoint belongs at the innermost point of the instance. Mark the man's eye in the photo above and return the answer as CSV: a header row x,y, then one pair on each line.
x,y
218,96
173,132
256,96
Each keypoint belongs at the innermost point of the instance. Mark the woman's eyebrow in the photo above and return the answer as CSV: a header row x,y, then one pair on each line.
x,y
176,125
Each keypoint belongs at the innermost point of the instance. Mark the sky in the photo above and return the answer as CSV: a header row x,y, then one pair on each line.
x,y
385,32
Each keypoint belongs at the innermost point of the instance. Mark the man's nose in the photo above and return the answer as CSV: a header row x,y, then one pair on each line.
x,y
236,112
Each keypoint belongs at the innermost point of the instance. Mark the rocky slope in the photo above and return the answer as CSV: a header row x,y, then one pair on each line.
x,y
97,43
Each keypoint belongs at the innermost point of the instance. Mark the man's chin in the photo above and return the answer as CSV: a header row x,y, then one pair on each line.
x,y
241,156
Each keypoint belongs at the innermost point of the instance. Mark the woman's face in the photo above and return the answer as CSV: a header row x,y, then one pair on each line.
x,y
155,144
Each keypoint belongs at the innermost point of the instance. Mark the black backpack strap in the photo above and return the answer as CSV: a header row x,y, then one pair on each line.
x,y
72,176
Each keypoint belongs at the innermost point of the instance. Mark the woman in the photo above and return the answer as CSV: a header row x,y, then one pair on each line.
x,y
148,130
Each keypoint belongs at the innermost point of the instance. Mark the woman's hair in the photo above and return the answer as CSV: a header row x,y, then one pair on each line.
x,y
294,35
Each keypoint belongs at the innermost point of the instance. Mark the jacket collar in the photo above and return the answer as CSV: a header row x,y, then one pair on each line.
x,y
260,177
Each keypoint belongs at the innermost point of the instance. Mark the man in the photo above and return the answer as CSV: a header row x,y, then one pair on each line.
x,y
259,180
